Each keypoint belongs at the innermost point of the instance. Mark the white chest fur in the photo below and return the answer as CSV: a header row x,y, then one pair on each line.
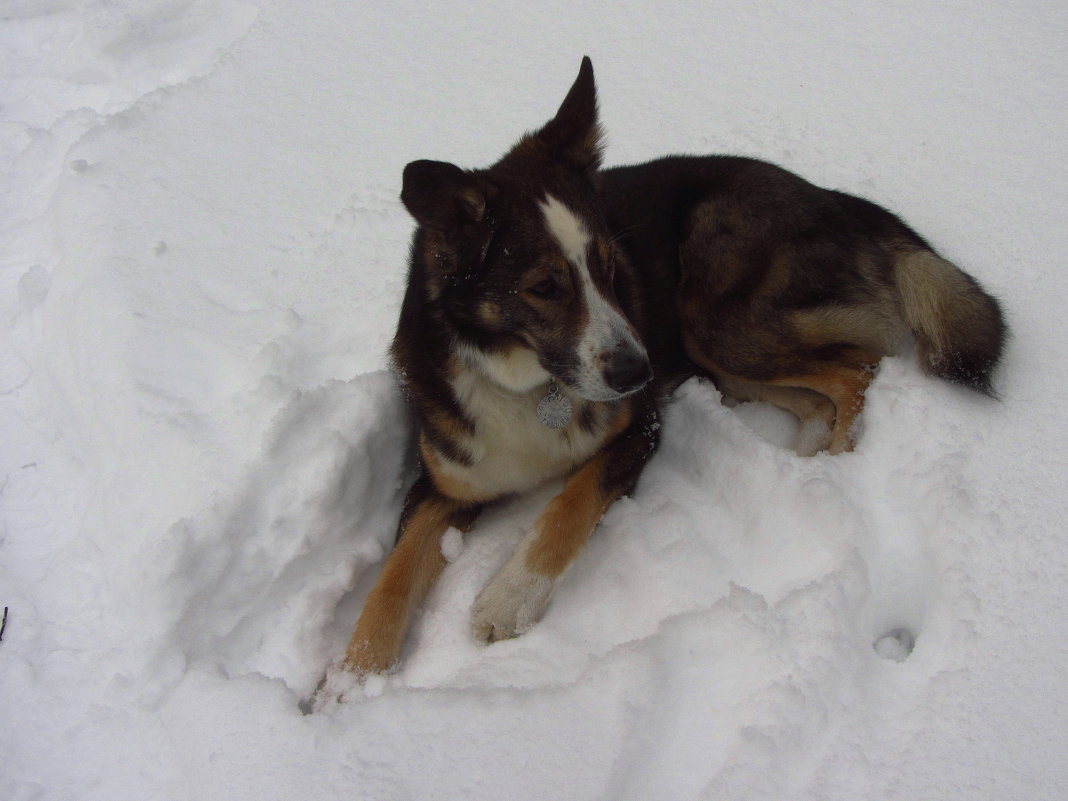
x,y
511,450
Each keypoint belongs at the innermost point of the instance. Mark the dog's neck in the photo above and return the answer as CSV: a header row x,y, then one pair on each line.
x,y
515,370
517,375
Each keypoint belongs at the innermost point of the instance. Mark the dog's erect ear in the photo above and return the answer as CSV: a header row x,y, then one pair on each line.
x,y
574,135
442,196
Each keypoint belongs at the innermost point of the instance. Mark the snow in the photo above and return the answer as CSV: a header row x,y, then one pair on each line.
x,y
204,458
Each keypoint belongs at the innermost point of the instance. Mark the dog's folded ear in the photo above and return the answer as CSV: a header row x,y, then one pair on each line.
x,y
573,136
441,196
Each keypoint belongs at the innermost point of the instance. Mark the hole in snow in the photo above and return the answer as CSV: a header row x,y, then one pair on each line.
x,y
895,645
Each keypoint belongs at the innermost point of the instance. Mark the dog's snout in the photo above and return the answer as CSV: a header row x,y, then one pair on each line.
x,y
627,370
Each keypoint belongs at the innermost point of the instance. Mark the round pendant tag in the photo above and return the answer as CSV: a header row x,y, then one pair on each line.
x,y
554,410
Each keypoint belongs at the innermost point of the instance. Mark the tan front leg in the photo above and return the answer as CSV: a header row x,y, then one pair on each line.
x,y
406,577
517,596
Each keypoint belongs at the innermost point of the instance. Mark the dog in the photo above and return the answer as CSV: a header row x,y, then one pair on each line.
x,y
552,307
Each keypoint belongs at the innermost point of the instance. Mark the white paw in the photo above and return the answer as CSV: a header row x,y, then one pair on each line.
x,y
336,686
813,436
511,603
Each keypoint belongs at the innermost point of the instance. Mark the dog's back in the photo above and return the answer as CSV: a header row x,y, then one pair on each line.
x,y
779,288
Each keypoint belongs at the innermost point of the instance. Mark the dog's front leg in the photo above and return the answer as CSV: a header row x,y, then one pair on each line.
x,y
409,572
517,596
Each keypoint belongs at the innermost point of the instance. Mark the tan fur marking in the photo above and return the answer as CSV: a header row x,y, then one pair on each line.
x,y
449,425
453,366
554,265
490,312
566,523
447,485
407,575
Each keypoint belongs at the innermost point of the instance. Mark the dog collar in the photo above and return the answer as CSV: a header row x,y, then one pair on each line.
x,y
554,409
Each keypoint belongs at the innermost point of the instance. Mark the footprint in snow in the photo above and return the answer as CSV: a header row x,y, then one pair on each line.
x,y
895,645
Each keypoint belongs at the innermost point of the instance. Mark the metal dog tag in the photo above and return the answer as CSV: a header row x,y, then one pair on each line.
x,y
554,410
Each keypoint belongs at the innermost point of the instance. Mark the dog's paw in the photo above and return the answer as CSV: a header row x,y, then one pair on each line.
x,y
370,655
511,603
813,436
336,686
363,669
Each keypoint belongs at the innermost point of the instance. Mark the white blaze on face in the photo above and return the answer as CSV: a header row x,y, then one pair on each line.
x,y
606,329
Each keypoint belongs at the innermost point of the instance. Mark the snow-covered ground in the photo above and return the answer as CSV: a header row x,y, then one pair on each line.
x,y
201,260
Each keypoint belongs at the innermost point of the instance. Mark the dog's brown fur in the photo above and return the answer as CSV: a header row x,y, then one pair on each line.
x,y
543,271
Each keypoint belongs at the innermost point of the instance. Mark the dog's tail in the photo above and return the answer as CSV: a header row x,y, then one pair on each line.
x,y
960,330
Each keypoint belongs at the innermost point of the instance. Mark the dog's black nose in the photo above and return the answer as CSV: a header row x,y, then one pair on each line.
x,y
627,371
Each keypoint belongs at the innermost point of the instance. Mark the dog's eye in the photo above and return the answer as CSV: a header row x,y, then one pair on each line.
x,y
546,288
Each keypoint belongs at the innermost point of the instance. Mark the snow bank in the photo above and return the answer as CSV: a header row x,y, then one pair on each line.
x,y
203,460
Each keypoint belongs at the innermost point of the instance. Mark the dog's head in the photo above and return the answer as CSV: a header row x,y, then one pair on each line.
x,y
518,257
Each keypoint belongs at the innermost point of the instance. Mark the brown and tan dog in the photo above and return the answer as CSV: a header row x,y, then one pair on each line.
x,y
552,307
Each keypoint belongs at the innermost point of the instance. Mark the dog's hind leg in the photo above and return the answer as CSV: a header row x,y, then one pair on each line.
x,y
814,410
409,572
845,387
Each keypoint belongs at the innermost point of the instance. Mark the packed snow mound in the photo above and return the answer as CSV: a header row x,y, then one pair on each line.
x,y
202,257
318,510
